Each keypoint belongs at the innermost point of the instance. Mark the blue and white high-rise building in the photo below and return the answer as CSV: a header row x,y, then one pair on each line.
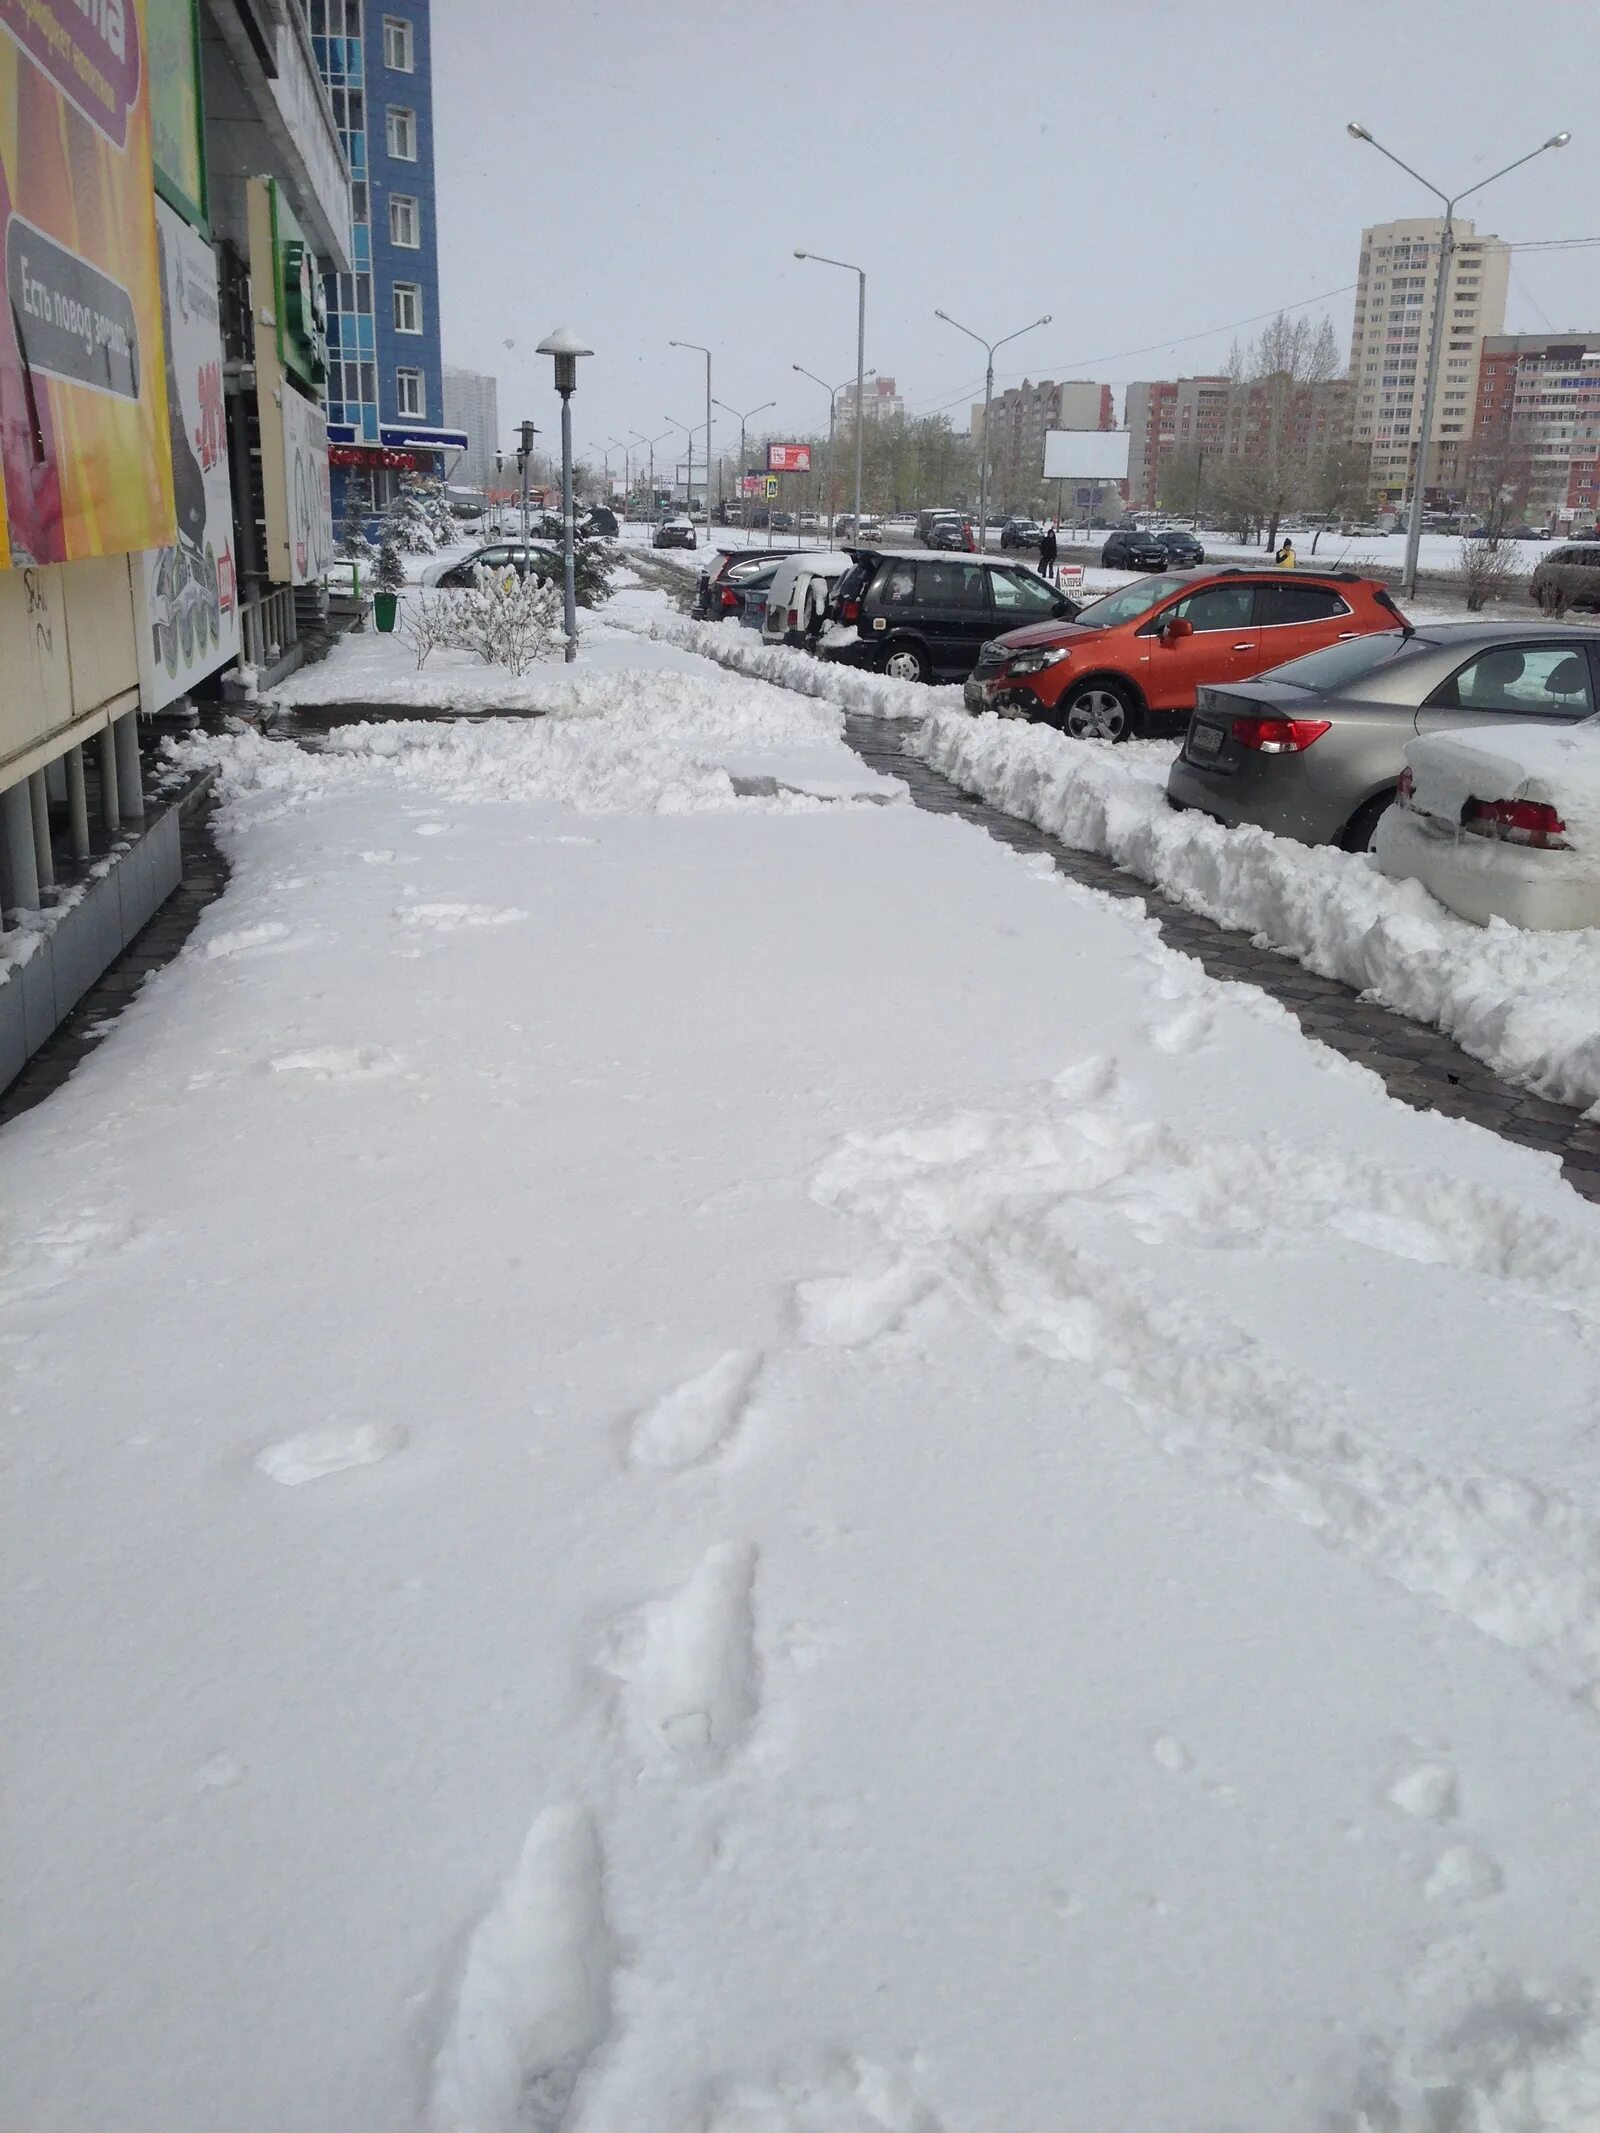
x,y
385,376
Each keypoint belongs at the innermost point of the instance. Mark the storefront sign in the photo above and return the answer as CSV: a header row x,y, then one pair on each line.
x,y
307,491
84,461
191,598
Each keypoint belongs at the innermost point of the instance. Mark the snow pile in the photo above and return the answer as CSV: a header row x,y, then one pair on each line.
x,y
1526,1004
742,652
1554,764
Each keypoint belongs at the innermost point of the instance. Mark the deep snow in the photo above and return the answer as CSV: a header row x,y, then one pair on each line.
x,y
728,1461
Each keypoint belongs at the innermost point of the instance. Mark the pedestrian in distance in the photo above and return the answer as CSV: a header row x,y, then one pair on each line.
x,y
1047,553
1285,557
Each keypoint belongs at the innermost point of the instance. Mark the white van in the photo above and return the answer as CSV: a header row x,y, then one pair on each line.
x,y
797,604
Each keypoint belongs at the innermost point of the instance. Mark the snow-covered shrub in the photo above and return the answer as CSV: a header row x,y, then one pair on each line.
x,y
428,624
419,519
508,621
390,575
353,541
593,561
1488,570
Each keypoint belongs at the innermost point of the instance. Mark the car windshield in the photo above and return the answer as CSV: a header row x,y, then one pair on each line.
x,y
1132,600
1340,664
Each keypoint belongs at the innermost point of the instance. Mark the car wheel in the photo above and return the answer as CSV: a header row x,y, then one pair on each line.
x,y
1362,828
906,662
1096,711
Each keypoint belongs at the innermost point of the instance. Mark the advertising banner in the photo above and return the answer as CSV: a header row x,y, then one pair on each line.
x,y
85,468
175,132
307,491
191,598
788,459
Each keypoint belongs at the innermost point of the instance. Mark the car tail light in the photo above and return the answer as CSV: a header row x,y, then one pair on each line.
x,y
851,611
729,597
1405,786
794,618
1516,822
1279,736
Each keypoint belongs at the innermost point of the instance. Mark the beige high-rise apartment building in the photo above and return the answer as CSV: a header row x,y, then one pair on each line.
x,y
1395,294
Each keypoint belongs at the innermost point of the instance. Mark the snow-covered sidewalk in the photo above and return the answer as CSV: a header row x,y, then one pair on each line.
x,y
689,1454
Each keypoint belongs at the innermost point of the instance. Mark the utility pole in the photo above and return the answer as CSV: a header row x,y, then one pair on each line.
x,y
988,348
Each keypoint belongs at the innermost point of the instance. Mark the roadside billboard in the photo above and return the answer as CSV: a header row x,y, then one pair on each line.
x,y
191,609
1086,455
85,468
788,459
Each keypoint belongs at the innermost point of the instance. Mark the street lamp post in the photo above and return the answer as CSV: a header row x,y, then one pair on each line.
x,y
742,420
1430,387
627,472
605,456
688,430
861,361
706,352
566,348
988,348
650,444
833,392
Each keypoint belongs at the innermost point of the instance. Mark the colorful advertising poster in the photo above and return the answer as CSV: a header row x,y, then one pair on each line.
x,y
191,598
84,461
175,129
788,459
307,491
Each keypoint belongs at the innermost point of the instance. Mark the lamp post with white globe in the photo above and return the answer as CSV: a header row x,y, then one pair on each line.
x,y
566,349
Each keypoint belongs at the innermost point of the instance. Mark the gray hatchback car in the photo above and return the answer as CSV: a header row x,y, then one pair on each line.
x,y
1314,749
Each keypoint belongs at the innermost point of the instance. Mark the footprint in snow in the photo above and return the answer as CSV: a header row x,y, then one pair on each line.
x,y
1426,1791
1463,1874
337,1062
317,1452
848,1310
687,1663
697,1417
241,939
1185,1031
451,918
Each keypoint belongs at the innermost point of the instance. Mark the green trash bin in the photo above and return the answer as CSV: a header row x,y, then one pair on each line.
x,y
385,606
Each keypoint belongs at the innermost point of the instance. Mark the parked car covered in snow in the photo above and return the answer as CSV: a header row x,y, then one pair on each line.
x,y
539,557
729,578
800,594
1504,824
1314,749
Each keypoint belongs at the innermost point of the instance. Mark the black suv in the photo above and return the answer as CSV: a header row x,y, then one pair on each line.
x,y
1131,548
1021,533
1183,551
924,617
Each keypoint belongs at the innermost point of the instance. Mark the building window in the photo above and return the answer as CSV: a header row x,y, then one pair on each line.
x,y
408,393
407,307
402,134
397,45
358,200
405,222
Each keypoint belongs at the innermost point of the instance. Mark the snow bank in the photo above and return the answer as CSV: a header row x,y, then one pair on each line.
x,y
1528,1005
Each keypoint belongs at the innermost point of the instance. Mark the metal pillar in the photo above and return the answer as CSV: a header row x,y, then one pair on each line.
x,y
77,804
43,857
110,812
130,771
19,871
568,565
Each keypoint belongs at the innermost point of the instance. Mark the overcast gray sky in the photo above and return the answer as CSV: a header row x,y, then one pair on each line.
x,y
1147,171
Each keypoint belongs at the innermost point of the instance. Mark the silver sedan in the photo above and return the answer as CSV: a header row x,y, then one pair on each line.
x,y
1314,750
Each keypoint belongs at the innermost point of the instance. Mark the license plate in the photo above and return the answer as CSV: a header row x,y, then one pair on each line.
x,y
1206,741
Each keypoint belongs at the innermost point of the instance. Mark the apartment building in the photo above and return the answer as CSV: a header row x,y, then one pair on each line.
x,y
1397,288
386,384
1536,428
1221,417
1018,420
883,402
472,406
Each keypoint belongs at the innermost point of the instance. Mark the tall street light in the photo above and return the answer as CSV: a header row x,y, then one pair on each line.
x,y
566,349
1447,245
650,444
627,473
688,430
706,352
861,361
989,348
833,392
742,420
606,458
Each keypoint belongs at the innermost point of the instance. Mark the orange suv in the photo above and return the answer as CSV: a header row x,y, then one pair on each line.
x,y
1141,652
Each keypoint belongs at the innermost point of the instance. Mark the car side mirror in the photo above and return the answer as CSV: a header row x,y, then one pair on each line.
x,y
1179,627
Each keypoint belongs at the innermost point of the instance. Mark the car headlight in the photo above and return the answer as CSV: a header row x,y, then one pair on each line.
x,y
1036,662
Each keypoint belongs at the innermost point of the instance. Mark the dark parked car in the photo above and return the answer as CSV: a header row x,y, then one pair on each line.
x,y
602,520
1021,533
1131,548
739,593
1183,551
707,604
1569,578
497,556
781,522
923,618
955,532
673,533
1314,749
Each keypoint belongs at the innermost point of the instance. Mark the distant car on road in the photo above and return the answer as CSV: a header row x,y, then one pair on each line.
x,y
923,617
1131,548
1183,551
673,533
1568,578
1314,749
1137,656
953,531
1503,824
537,557
1021,533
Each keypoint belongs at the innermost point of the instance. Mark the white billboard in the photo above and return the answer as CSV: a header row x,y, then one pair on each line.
x,y
308,493
1086,455
190,593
